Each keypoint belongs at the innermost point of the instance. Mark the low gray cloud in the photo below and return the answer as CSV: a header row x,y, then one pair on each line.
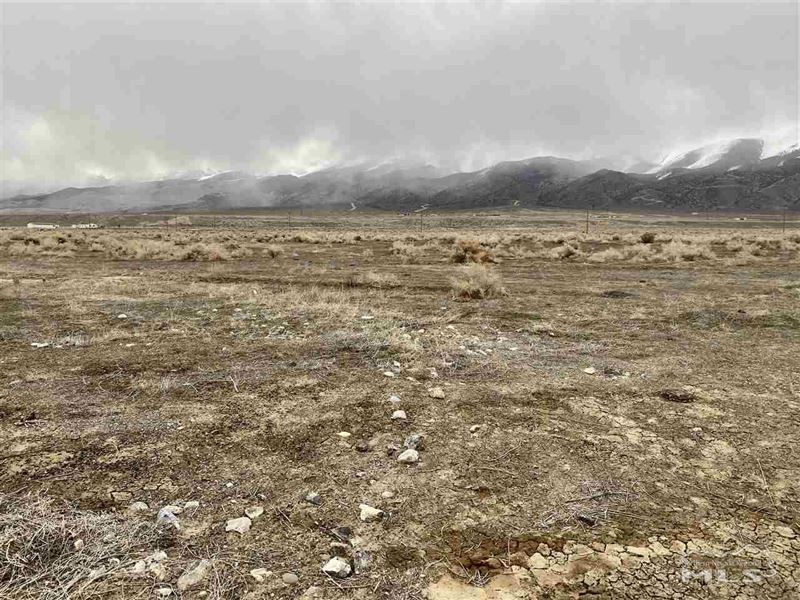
x,y
131,91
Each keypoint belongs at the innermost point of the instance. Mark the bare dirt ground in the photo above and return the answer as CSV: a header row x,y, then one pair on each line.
x,y
618,420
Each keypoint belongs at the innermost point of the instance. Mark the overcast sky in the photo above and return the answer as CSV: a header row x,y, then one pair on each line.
x,y
142,91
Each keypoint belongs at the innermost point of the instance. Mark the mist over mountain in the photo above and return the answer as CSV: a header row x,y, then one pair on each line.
x,y
731,175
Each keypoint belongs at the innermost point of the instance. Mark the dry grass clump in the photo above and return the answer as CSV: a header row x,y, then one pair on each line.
x,y
565,251
638,253
477,281
273,250
408,253
681,250
212,252
648,237
372,279
42,558
470,251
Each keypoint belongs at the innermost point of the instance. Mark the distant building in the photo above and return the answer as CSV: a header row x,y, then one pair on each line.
x,y
42,226
86,226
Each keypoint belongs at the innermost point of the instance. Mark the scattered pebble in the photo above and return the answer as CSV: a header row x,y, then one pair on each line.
x,y
413,442
239,525
138,507
122,316
79,545
399,415
362,446
260,574
590,370
337,567
164,592
436,392
313,498
167,516
253,512
289,578
369,513
394,399
344,533
408,456
475,428
344,434
191,505
389,374
194,576
387,494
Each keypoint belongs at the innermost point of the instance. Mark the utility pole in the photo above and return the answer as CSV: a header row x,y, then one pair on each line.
x,y
587,219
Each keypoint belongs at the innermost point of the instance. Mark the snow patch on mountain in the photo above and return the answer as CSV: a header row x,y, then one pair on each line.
x,y
778,143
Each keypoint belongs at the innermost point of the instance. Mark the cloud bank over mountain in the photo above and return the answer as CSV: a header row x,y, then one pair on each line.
x,y
132,92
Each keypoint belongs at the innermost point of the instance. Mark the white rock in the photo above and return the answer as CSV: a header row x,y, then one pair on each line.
x,y
79,545
40,344
344,434
389,374
239,525
399,415
194,576
138,507
394,399
174,509
164,592
537,561
167,516
408,456
191,505
436,392
253,512
289,578
368,513
122,316
337,567
474,428
590,370
260,575
387,494
313,498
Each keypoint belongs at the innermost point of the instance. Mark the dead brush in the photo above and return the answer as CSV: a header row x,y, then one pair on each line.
x,y
590,506
273,250
408,253
476,281
470,251
50,551
371,279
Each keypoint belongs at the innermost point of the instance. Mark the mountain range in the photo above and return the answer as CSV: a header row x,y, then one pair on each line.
x,y
730,176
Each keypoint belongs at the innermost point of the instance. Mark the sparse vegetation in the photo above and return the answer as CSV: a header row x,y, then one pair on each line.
x,y
477,281
466,251
228,364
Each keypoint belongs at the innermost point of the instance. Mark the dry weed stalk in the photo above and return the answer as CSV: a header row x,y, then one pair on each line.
x,y
39,557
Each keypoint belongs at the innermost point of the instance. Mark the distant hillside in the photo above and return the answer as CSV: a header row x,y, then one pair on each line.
x,y
725,176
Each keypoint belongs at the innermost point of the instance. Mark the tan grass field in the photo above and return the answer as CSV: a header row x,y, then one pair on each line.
x,y
611,414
